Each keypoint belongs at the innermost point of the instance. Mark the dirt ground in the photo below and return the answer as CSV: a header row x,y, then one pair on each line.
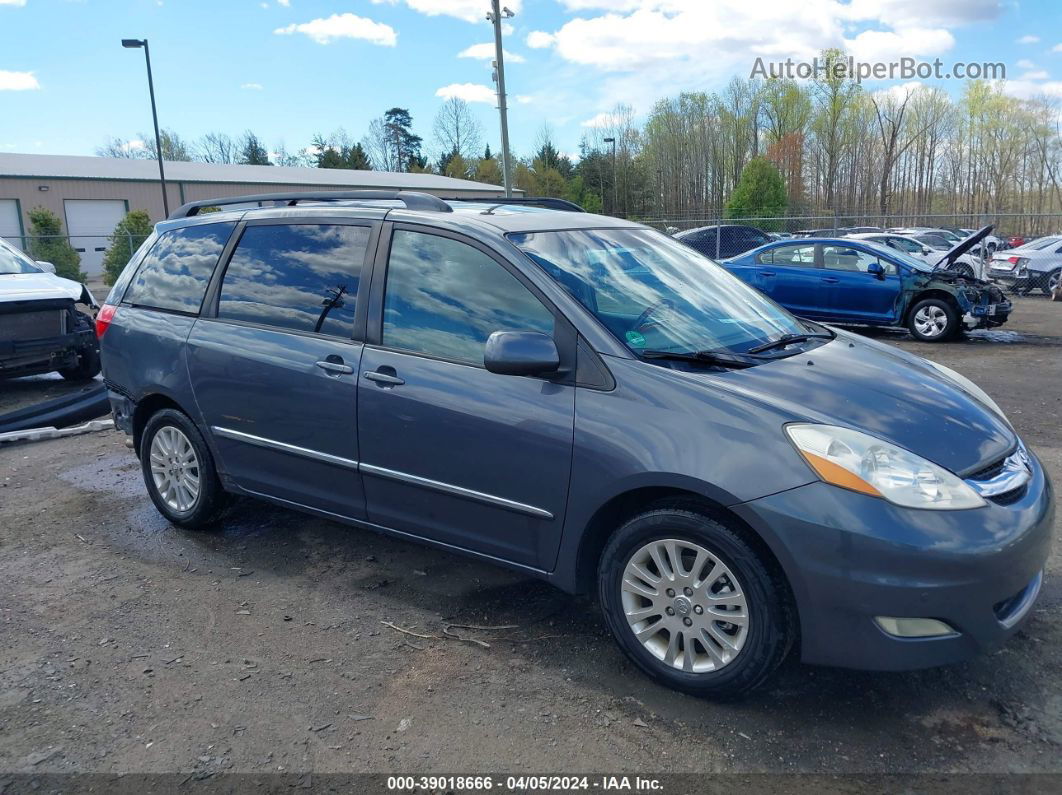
x,y
129,646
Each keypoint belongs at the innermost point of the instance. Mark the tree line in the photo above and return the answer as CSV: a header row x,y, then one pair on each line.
x,y
901,155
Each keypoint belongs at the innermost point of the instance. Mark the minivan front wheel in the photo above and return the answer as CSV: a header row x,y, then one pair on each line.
x,y
692,604
179,471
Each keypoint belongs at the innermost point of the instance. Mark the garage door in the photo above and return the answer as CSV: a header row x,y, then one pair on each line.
x,y
10,230
90,222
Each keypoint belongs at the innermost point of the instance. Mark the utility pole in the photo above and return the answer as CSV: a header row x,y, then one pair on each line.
x,y
495,16
134,44
615,178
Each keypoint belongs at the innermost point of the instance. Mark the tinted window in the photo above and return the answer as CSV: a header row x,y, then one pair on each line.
x,y
790,255
175,272
444,298
296,276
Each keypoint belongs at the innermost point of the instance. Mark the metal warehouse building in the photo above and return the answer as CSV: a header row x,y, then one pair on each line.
x,y
91,194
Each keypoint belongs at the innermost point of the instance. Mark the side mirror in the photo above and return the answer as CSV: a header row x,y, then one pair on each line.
x,y
46,266
925,251
875,269
521,353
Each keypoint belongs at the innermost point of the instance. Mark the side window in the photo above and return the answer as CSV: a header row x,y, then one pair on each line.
x,y
302,277
842,258
175,273
444,298
800,256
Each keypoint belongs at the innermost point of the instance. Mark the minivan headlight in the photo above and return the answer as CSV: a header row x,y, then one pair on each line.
x,y
969,386
860,462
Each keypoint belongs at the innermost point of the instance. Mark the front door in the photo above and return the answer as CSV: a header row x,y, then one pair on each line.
x,y
855,295
450,451
274,367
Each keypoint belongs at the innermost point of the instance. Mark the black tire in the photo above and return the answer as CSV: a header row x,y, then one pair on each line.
x,y
771,626
932,308
88,361
211,498
1049,280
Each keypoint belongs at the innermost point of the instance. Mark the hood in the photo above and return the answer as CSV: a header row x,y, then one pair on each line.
x,y
962,247
874,388
41,287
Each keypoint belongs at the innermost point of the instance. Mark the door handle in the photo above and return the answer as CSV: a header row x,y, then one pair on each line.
x,y
830,280
335,367
766,273
383,379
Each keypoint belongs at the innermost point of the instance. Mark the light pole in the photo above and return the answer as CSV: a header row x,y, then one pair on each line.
x,y
615,178
495,16
134,44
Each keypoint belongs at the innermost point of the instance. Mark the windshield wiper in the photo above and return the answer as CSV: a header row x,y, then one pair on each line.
x,y
701,357
788,339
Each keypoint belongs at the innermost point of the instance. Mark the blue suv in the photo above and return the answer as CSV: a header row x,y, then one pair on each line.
x,y
589,402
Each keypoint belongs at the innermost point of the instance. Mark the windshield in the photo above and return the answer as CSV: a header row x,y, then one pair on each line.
x,y
656,294
14,261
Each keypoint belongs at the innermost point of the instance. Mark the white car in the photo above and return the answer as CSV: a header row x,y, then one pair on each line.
x,y
910,242
41,328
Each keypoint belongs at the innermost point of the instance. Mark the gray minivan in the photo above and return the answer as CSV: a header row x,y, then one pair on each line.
x,y
590,402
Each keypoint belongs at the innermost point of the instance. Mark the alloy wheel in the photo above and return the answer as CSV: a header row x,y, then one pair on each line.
x,y
684,605
931,321
175,468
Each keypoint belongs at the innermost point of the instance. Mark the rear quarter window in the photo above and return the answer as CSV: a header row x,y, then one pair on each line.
x,y
175,273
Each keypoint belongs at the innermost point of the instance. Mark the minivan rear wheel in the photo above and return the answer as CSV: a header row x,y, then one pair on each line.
x,y
692,604
179,471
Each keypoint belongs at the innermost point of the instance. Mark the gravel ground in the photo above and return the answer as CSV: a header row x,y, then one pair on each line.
x,y
129,646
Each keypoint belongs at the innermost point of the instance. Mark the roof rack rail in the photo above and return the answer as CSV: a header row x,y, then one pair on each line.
x,y
545,202
413,200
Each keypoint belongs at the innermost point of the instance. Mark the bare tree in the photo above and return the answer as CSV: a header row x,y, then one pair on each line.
x,y
456,131
217,147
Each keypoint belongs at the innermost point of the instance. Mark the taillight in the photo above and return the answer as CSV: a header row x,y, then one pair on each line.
x,y
104,318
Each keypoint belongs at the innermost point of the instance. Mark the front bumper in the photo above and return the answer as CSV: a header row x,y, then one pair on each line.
x,y
850,558
23,357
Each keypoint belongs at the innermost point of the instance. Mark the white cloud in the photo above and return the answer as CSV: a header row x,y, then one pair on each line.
x,y
523,99
538,39
885,45
600,120
467,10
507,29
343,26
1029,40
469,92
285,3
485,52
1057,47
252,86
12,2
134,146
1025,63
1038,74
18,81
1027,89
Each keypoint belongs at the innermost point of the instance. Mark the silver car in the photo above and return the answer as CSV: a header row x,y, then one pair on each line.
x,y
1036,264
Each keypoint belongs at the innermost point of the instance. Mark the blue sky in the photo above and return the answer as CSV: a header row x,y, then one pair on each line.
x,y
292,68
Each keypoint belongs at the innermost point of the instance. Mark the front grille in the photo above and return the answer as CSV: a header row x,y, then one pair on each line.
x,y
1010,497
989,471
32,325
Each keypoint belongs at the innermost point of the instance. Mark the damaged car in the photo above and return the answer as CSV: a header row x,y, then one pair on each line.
x,y
42,330
858,282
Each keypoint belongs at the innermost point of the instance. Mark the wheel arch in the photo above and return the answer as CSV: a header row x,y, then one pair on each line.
x,y
933,292
147,406
628,504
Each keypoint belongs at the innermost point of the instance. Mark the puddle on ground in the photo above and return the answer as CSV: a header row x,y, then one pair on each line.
x,y
995,335
117,475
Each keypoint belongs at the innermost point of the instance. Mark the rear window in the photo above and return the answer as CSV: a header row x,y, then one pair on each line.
x,y
175,273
